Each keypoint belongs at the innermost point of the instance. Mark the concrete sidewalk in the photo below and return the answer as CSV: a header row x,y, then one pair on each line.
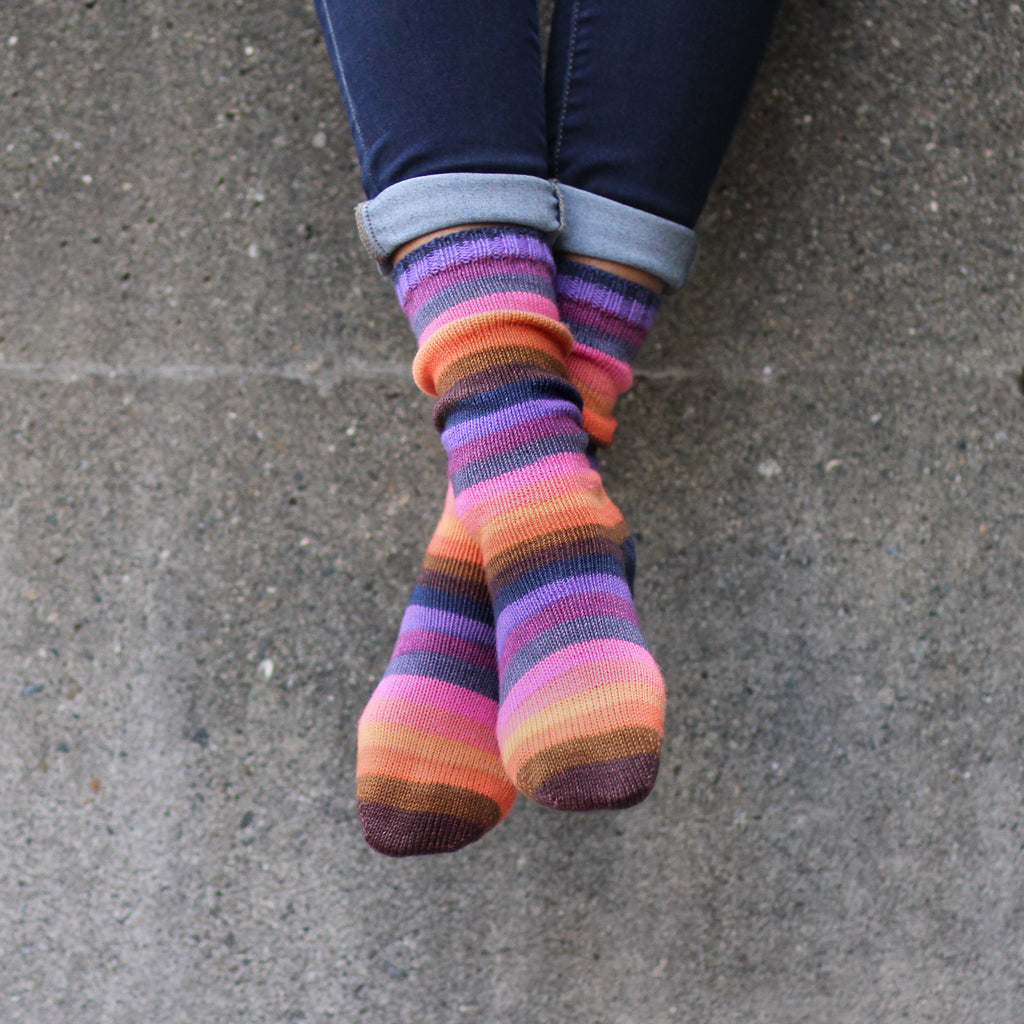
x,y
217,478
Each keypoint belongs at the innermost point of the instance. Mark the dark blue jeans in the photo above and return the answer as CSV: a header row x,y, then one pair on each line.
x,y
636,108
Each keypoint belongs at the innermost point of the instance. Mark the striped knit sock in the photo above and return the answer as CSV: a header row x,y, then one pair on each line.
x,y
429,775
609,318
581,699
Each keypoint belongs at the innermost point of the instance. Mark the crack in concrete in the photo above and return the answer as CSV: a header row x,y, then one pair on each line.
x,y
326,379
311,375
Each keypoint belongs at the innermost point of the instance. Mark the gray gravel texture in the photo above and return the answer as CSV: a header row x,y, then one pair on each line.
x,y
216,480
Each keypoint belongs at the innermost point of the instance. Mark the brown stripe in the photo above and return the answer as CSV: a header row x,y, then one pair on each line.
x,y
464,590
399,833
605,786
499,357
580,541
432,797
458,567
635,746
471,587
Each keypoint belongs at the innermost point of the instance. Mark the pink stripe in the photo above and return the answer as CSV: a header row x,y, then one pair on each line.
x,y
580,479
585,359
437,694
572,659
494,302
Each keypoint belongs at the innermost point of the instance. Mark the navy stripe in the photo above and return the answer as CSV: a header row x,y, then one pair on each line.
x,y
469,675
445,601
477,287
508,396
566,569
603,341
524,455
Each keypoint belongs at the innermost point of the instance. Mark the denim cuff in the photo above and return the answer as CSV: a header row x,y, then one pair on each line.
x,y
600,227
414,207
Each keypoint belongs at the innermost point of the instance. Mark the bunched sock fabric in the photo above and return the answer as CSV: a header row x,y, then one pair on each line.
x,y
581,700
609,319
462,792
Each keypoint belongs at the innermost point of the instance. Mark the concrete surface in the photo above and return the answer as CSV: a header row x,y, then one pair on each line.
x,y
216,479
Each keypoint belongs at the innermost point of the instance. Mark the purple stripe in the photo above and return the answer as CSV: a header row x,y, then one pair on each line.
x,y
482,426
474,273
507,441
456,249
419,641
598,602
418,617
518,611
622,306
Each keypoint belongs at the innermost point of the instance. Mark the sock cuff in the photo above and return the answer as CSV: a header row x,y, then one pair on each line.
x,y
462,347
475,271
608,294
443,254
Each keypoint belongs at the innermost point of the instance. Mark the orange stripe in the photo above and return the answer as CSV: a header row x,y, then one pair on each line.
x,y
528,740
523,520
473,745
601,428
562,697
481,331
399,764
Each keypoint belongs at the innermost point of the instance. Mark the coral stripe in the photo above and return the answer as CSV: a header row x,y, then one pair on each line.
x,y
481,332
399,764
396,712
539,732
404,740
513,301
597,703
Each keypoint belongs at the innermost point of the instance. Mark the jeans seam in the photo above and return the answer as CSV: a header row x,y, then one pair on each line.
x,y
343,82
560,199
367,235
563,113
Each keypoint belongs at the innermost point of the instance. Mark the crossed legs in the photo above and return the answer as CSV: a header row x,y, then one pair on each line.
x,y
520,665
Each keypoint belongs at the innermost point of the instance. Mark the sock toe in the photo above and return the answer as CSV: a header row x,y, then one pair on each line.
x,y
610,770
397,832
607,785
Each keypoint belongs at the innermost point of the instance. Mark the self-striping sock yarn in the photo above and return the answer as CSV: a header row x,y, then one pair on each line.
x,y
461,794
428,771
581,700
429,774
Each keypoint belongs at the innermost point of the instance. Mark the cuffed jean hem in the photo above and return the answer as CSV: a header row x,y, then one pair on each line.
x,y
415,207
608,230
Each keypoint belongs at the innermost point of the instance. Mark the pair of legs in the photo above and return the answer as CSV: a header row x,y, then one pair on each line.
x,y
520,664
